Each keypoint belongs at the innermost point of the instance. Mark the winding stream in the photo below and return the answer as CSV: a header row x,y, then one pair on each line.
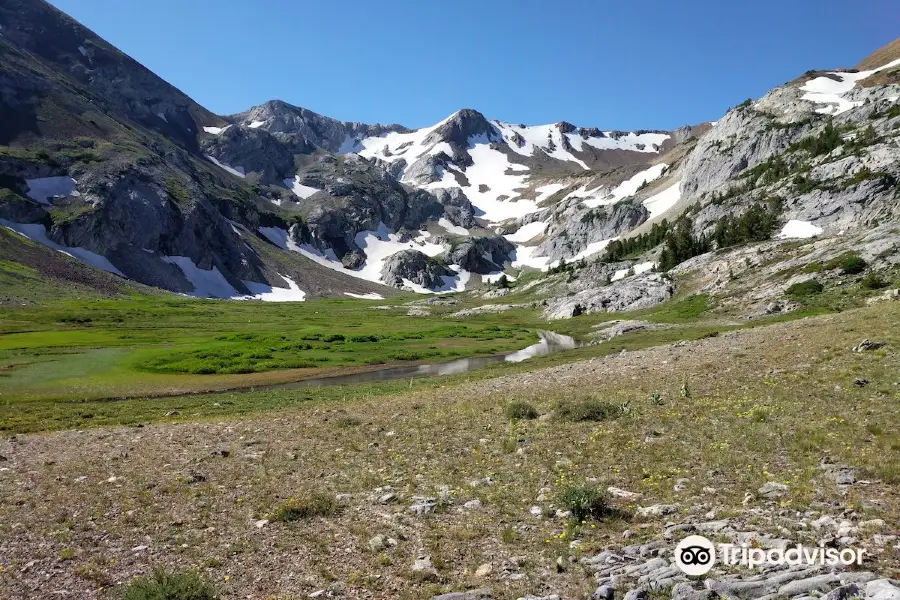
x,y
550,342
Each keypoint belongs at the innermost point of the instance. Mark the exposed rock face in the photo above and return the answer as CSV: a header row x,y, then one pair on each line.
x,y
362,197
463,125
483,254
301,129
457,207
253,149
836,189
575,227
626,294
414,266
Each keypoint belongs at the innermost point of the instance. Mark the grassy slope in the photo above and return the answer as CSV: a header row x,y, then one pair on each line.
x,y
765,404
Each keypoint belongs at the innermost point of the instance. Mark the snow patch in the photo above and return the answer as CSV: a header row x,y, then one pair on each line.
x,y
162,116
492,169
215,130
44,188
455,283
523,256
268,293
831,92
256,124
545,191
207,284
799,230
664,200
368,296
378,246
638,269
38,233
527,232
590,250
239,171
302,191
495,277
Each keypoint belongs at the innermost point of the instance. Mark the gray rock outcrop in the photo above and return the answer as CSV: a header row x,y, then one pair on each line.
x,y
414,266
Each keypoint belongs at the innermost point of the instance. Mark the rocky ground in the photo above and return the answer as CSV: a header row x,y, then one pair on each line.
x,y
768,436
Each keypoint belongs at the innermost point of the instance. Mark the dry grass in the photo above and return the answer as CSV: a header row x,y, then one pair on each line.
x,y
764,404
880,57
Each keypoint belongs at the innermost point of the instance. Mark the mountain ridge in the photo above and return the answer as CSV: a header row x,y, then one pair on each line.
x,y
169,194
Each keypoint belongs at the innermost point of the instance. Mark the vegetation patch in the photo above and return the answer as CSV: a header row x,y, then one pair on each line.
x,y
805,289
521,411
588,408
585,502
170,585
316,503
849,263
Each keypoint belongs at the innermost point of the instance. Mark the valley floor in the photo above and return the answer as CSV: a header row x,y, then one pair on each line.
x,y
84,511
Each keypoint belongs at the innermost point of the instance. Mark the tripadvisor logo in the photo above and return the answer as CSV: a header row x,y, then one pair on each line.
x,y
696,555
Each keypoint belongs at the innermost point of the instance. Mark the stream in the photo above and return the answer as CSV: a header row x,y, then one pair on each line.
x,y
550,342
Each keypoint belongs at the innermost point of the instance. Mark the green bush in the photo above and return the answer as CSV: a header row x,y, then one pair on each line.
x,y
585,502
873,281
587,409
804,289
306,506
169,585
853,265
521,410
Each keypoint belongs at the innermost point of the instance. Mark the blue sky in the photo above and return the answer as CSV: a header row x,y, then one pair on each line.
x,y
617,64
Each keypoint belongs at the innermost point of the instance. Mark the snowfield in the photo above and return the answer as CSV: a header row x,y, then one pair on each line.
x,y
827,91
664,200
549,139
799,230
378,246
629,187
638,269
527,232
267,293
38,233
300,190
239,171
212,284
495,184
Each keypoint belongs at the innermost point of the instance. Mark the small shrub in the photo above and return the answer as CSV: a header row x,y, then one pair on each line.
x,y
521,411
873,281
347,421
587,409
306,506
805,289
853,265
585,502
168,585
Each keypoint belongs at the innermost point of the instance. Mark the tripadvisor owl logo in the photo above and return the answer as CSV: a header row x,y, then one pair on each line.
x,y
695,555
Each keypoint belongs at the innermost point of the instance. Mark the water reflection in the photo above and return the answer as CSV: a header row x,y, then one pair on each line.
x,y
550,342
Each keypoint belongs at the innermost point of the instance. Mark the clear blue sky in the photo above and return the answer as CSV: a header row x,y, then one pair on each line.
x,y
618,64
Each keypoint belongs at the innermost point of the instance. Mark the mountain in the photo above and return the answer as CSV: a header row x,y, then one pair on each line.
x,y
104,161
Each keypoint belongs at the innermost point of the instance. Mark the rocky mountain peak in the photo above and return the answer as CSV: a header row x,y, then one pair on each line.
x,y
289,122
460,127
